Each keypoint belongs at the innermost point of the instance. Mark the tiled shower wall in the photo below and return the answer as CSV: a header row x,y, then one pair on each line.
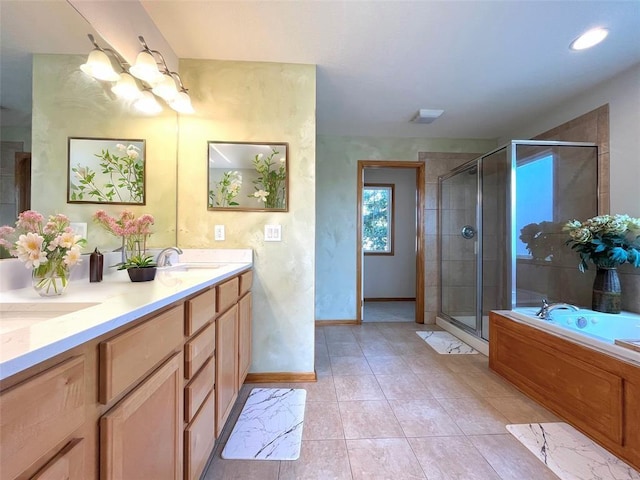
x,y
436,164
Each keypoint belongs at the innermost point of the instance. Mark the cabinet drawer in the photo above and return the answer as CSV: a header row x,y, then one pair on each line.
x,y
198,350
125,358
40,413
67,465
199,438
226,294
246,280
200,310
198,388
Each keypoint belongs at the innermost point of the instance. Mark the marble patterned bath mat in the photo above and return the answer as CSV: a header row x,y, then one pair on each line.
x,y
569,454
269,426
444,342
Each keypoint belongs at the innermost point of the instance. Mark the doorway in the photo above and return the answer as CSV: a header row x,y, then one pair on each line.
x,y
415,250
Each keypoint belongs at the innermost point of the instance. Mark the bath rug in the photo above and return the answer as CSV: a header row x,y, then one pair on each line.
x,y
445,343
569,454
269,426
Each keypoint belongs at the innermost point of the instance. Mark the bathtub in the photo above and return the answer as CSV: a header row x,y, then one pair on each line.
x,y
586,327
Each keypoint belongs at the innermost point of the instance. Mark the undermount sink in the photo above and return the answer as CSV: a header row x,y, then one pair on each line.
x,y
193,266
14,316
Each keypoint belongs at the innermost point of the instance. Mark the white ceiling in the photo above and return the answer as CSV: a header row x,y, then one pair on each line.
x,y
491,65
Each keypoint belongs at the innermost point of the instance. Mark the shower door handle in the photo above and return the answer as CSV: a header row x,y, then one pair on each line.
x,y
468,232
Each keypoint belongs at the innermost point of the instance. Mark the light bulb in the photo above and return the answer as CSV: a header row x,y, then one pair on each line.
x,y
146,68
147,103
99,66
166,88
182,103
126,87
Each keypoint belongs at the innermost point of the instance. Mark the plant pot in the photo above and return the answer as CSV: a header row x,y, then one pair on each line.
x,y
607,294
142,274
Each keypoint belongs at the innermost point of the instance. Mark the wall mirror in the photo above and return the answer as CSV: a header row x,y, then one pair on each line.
x,y
248,176
102,170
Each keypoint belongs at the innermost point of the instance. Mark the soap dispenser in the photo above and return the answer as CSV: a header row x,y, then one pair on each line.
x,y
96,265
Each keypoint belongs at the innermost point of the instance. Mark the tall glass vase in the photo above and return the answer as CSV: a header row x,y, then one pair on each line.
x,y
607,294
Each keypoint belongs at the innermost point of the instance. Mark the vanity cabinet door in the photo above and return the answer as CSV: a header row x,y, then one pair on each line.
x,y
39,414
141,437
245,315
67,465
226,365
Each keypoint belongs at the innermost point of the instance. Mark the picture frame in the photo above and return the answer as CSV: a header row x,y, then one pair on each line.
x,y
106,171
248,176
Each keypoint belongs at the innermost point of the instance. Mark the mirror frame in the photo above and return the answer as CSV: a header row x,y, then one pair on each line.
x,y
251,158
118,146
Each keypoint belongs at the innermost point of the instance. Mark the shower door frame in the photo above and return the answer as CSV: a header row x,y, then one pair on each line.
x,y
511,157
458,170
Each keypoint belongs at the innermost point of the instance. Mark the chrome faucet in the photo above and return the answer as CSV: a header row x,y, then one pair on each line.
x,y
546,309
164,257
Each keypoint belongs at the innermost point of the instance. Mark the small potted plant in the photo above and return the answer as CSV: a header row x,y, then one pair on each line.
x,y
141,268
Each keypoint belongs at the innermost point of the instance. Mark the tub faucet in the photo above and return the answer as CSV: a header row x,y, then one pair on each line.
x,y
164,257
546,309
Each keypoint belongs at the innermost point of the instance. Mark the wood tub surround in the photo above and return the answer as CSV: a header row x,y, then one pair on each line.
x,y
596,393
137,402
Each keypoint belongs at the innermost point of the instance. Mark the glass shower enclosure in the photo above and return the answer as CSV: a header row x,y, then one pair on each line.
x,y
500,229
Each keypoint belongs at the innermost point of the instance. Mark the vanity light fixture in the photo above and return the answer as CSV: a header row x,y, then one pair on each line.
x,y
98,64
147,103
166,88
589,39
150,69
126,87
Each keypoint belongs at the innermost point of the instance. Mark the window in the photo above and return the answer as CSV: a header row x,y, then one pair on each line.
x,y
377,219
534,207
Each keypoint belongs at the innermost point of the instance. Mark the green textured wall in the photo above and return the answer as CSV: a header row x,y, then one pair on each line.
x,y
257,102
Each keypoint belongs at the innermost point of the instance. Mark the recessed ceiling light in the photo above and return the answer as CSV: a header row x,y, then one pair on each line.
x,y
589,39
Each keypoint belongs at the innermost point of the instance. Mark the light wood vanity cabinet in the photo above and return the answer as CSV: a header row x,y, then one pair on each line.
x,y
39,414
200,372
146,401
141,437
226,365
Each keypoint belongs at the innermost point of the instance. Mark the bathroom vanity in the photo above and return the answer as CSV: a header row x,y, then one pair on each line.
x,y
123,380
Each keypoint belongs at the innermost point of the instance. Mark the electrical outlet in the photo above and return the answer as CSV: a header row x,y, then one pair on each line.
x,y
218,232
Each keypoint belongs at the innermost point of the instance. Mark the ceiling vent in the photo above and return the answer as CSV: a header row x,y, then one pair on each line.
x,y
426,115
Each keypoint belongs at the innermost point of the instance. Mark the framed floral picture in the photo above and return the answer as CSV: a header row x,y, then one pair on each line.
x,y
106,170
248,176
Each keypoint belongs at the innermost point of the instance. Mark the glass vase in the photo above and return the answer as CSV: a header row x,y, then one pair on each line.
x,y
50,282
607,294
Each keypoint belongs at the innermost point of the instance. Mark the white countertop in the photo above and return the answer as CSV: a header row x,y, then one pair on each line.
x,y
34,329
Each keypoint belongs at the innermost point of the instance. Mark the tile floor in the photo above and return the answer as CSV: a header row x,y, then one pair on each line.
x,y
389,312
386,406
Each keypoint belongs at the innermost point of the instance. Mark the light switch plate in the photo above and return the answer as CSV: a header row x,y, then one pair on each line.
x,y
218,232
273,233
80,228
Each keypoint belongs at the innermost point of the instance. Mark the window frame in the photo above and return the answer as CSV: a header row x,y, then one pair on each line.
x,y
392,218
